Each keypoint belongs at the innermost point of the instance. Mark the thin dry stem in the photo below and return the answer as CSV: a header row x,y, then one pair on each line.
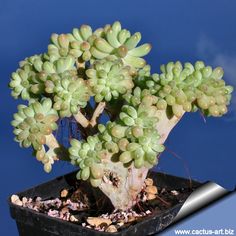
x,y
80,65
52,144
56,151
98,111
81,119
51,141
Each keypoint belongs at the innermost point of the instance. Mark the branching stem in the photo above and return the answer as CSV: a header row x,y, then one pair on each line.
x,y
165,124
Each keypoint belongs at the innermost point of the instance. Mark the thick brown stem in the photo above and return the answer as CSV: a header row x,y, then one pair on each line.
x,y
129,181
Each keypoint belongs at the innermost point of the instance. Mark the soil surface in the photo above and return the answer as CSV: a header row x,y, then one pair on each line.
x,y
79,207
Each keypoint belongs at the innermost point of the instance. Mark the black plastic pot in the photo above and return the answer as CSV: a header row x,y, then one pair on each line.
x,y
32,223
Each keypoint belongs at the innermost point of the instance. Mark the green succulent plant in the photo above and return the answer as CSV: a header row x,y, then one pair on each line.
x,y
119,42
189,88
33,122
25,82
86,73
70,95
32,125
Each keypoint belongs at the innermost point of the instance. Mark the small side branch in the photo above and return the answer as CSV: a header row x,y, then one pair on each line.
x,y
52,144
81,119
51,141
80,65
165,124
98,111
56,151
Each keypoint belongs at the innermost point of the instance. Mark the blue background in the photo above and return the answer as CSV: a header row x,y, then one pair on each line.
x,y
178,30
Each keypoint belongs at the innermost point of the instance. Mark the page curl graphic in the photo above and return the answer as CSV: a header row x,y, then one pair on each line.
x,y
201,197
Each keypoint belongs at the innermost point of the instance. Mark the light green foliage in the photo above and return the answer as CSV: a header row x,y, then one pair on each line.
x,y
108,79
32,123
86,45
58,78
107,64
75,44
189,87
86,156
70,95
26,82
119,42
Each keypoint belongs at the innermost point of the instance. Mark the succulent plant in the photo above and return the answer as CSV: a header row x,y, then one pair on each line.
x,y
87,73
